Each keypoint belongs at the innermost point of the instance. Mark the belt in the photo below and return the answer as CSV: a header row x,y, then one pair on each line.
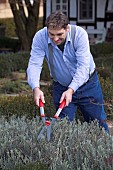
x,y
92,74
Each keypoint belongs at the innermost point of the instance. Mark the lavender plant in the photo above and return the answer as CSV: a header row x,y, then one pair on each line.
x,y
73,146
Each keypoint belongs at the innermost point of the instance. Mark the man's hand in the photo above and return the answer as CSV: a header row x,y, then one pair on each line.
x,y
67,95
38,94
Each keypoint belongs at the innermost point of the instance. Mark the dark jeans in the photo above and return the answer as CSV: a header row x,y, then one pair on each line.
x,y
88,98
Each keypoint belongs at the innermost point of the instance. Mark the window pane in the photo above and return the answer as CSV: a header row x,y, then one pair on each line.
x,y
90,6
83,2
90,14
57,1
65,13
57,7
83,15
64,7
64,1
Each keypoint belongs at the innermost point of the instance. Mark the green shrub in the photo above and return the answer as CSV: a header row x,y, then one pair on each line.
x,y
105,73
10,44
107,88
105,66
9,27
13,62
5,67
15,87
101,49
24,105
17,105
45,75
72,146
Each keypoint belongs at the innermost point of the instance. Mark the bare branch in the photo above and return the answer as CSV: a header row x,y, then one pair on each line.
x,y
26,26
28,4
22,10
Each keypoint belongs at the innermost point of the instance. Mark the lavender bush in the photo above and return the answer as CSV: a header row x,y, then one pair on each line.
x,y
73,146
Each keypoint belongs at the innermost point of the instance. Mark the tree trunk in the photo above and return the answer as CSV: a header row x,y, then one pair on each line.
x,y
26,22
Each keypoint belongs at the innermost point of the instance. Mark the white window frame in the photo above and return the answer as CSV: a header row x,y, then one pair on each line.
x,y
54,4
93,13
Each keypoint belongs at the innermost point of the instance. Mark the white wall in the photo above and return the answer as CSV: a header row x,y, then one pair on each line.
x,y
5,11
110,5
73,8
101,8
48,7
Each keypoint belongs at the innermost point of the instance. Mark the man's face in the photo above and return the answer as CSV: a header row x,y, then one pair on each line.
x,y
58,35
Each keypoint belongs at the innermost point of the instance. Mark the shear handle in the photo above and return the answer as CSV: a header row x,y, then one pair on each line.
x,y
42,114
62,104
41,104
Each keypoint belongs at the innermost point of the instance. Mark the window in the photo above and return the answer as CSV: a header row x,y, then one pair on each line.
x,y
86,10
60,5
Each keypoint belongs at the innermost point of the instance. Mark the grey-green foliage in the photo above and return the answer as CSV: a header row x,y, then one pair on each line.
x,y
73,146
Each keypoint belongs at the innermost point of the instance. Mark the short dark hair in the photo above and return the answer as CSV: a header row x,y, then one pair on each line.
x,y
57,20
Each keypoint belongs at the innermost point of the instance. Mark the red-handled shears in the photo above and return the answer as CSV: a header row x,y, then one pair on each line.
x,y
48,123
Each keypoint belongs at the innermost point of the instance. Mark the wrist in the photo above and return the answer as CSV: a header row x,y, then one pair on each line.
x,y
70,90
36,89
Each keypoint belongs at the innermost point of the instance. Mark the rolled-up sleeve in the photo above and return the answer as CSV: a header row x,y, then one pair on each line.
x,y
36,61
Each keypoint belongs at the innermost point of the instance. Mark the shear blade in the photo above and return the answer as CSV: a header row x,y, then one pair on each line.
x,y
41,133
48,133
53,120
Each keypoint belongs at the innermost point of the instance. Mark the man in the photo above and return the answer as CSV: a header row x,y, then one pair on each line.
x,y
71,66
